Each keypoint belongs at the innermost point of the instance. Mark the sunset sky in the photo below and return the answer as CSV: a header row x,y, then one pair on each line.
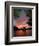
x,y
21,18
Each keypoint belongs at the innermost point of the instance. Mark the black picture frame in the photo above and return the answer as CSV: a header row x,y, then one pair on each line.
x,y
7,20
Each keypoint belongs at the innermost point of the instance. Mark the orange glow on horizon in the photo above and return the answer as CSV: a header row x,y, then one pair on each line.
x,y
25,25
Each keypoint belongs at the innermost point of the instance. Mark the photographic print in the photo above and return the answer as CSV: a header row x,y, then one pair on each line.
x,y
21,22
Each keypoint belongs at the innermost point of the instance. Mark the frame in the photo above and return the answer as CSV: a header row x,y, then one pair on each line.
x,y
15,28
